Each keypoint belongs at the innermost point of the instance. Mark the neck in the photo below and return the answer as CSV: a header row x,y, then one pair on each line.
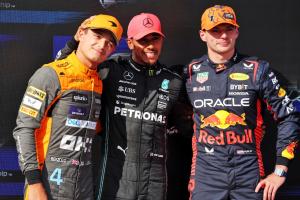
x,y
85,61
220,58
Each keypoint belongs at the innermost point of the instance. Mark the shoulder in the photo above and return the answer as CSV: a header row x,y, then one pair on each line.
x,y
46,72
196,61
253,59
114,61
62,64
260,67
195,64
173,71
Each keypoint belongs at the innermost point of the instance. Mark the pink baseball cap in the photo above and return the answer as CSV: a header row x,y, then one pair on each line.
x,y
142,25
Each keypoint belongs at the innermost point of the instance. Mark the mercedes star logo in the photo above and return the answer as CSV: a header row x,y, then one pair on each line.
x,y
128,75
147,22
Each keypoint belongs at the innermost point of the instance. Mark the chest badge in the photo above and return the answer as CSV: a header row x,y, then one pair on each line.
x,y
239,76
165,84
202,77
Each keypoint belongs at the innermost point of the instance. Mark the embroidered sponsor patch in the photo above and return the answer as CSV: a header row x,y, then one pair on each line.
x,y
74,110
32,102
165,84
81,123
239,76
80,98
281,92
32,91
28,111
202,77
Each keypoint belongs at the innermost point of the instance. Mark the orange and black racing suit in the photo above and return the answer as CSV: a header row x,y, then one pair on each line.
x,y
57,121
228,101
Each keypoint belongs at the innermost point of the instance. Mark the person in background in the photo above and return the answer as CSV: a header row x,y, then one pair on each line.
x,y
229,92
59,116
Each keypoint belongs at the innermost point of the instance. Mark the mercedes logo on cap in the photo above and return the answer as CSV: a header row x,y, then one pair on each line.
x,y
128,75
147,22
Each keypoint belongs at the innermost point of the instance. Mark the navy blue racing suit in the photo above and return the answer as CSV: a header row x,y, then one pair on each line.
x,y
228,101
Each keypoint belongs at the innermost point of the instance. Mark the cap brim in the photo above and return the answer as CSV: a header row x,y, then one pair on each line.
x,y
209,28
143,34
106,29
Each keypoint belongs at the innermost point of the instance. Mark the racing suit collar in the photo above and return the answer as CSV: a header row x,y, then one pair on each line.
x,y
149,70
219,67
72,58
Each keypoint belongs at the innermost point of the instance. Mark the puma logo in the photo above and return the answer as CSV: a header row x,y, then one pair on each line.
x,y
123,150
248,66
209,151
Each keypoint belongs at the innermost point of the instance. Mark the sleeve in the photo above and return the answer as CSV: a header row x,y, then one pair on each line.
x,y
180,119
286,116
70,46
41,90
104,69
110,66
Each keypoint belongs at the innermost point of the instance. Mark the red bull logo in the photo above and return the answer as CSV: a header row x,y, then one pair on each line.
x,y
227,137
288,152
222,119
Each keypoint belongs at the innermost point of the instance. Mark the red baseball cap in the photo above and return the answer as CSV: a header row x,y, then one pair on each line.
x,y
142,25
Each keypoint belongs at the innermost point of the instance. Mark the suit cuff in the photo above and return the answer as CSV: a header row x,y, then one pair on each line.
x,y
33,176
282,161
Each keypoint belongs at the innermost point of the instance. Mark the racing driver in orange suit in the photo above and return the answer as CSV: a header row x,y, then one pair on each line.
x,y
59,117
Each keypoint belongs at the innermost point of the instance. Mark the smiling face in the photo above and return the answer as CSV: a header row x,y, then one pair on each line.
x,y
146,50
220,40
94,46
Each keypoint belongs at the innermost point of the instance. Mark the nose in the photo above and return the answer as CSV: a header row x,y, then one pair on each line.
x,y
150,44
102,43
224,34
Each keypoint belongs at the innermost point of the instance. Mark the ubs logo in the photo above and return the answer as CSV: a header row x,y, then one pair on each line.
x,y
147,22
128,75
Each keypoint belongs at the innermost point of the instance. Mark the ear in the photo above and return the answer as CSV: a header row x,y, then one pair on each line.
x,y
202,35
80,33
237,33
130,44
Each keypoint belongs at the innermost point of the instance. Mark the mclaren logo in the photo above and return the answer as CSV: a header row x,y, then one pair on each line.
x,y
148,22
128,75
113,24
